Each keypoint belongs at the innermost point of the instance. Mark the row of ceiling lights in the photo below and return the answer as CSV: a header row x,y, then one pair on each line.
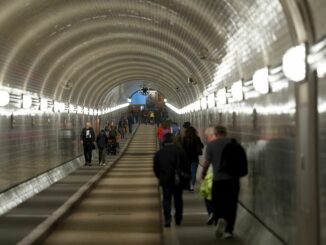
x,y
294,67
31,102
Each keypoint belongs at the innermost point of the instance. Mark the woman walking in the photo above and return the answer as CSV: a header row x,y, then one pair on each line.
x,y
193,147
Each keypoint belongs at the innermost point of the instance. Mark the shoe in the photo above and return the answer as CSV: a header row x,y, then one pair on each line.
x,y
191,188
210,219
86,164
167,225
227,235
220,229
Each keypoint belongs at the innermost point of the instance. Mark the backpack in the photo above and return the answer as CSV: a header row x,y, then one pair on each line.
x,y
234,160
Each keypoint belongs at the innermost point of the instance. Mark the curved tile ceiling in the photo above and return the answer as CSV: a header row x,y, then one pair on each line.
x,y
102,46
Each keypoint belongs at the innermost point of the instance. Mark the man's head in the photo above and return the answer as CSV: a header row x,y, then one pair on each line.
x,y
88,125
186,125
168,138
217,132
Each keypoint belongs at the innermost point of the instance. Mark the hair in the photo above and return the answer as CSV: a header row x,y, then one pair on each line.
x,y
168,138
190,134
220,130
186,125
217,131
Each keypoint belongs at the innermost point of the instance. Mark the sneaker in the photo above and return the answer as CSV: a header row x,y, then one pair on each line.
x,y
220,229
210,219
227,235
191,188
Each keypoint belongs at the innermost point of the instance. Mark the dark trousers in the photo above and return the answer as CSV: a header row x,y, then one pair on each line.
x,y
176,193
225,200
130,128
101,155
88,147
209,206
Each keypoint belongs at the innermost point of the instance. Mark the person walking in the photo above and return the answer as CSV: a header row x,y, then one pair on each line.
x,y
130,120
226,186
171,167
102,143
87,138
193,148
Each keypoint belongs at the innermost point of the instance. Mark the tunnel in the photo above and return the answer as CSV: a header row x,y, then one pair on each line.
x,y
255,66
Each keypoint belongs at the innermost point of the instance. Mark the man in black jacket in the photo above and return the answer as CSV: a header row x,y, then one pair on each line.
x,y
170,164
87,138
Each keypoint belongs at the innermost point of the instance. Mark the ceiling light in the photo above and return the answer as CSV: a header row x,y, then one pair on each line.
x,y
43,104
27,101
260,81
211,100
295,63
203,103
4,98
237,91
221,96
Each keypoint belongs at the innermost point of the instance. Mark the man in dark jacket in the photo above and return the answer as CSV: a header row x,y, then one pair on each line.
x,y
169,163
87,138
102,142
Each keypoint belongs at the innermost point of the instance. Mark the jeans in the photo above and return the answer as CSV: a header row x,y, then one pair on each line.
x,y
101,155
225,201
209,206
194,166
88,147
176,192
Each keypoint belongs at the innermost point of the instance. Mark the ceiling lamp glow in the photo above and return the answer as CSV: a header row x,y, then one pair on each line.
x,y
27,101
62,107
43,104
197,105
203,103
295,63
4,98
221,96
261,81
237,91
79,110
71,108
211,100
85,110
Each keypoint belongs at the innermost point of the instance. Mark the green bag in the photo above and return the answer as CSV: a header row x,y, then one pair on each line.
x,y
206,186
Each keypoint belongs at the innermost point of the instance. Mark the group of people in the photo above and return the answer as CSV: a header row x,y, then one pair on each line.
x,y
107,140
176,163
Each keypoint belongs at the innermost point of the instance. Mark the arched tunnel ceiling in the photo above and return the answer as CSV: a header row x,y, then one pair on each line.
x,y
102,46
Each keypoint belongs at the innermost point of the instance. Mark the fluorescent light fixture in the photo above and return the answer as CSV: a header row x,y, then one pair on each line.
x,y
56,106
129,100
71,108
165,100
203,103
86,111
43,104
211,100
4,98
91,111
62,107
321,70
118,107
27,101
173,108
221,96
197,105
237,91
79,110
294,63
260,80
